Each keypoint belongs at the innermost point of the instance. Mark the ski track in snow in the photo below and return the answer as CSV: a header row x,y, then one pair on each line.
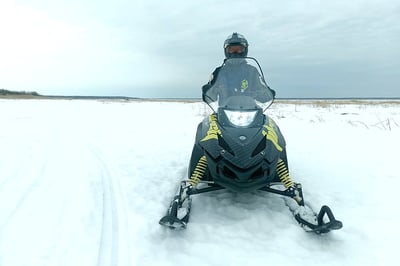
x,y
85,183
115,246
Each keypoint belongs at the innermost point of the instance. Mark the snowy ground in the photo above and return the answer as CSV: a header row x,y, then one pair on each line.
x,y
85,183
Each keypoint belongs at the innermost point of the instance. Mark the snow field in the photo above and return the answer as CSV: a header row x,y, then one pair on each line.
x,y
85,183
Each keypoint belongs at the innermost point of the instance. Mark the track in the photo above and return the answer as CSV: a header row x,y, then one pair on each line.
x,y
114,248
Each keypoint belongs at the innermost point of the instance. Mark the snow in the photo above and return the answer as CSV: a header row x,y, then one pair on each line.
x,y
85,183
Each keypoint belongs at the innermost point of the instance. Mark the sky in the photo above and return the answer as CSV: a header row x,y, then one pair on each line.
x,y
167,49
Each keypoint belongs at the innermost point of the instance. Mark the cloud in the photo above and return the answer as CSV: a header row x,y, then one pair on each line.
x,y
31,40
159,48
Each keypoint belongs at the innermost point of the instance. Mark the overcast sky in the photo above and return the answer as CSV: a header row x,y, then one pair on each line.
x,y
156,48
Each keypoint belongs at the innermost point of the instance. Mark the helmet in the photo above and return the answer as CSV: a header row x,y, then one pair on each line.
x,y
235,45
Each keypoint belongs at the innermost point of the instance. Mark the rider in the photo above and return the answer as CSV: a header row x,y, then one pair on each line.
x,y
236,46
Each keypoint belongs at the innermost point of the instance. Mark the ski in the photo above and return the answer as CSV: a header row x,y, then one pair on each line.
x,y
179,210
322,223
176,210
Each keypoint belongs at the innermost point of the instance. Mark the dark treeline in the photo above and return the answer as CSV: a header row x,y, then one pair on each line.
x,y
8,92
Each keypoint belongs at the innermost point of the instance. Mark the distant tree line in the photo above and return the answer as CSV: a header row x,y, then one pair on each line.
x,y
8,92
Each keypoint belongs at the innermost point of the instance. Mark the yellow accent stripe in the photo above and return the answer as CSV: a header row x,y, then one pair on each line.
x,y
271,134
213,130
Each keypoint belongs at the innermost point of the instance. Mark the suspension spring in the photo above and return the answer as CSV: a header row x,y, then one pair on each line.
x,y
284,174
199,171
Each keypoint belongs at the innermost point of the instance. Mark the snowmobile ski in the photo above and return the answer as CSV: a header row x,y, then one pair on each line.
x,y
321,227
178,212
171,220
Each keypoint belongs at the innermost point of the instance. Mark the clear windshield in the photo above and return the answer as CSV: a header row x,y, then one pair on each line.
x,y
239,78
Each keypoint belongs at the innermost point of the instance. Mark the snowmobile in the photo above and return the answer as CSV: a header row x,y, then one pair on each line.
x,y
239,148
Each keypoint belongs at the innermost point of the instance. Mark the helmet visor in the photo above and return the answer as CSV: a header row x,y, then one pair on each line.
x,y
235,49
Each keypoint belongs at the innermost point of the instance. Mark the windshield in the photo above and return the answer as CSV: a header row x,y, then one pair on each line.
x,y
239,78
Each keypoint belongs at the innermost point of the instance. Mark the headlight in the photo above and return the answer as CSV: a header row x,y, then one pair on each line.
x,y
241,118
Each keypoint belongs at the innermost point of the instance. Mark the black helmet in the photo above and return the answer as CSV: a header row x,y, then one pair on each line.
x,y
235,45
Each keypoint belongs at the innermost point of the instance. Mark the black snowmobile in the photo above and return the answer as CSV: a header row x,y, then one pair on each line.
x,y
241,149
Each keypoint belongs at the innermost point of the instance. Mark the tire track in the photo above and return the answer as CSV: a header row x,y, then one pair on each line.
x,y
114,245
